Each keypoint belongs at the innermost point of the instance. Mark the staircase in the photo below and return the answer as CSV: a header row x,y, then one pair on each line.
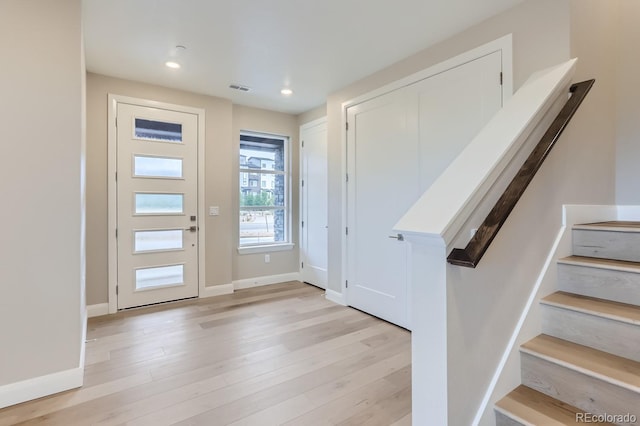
x,y
587,361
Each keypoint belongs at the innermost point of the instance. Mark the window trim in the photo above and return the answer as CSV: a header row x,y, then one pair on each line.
x,y
268,246
265,248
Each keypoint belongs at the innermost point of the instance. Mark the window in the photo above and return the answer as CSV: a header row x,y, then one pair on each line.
x,y
264,196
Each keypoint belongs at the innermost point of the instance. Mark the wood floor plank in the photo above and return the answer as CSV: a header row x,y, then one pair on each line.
x,y
190,356
245,398
339,400
243,367
384,412
594,262
266,355
616,225
346,406
64,400
405,421
532,407
622,371
613,310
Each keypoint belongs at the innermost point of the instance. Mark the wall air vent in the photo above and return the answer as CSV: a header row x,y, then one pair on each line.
x,y
240,88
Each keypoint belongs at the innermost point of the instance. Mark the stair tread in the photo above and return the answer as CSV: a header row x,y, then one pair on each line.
x,y
594,262
615,226
611,368
604,308
532,407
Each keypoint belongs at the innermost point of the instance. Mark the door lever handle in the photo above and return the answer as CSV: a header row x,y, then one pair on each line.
x,y
398,237
193,228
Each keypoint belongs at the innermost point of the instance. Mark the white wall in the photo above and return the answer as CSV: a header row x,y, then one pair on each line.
x,y
247,266
218,153
313,114
580,170
42,188
628,105
540,39
484,304
222,124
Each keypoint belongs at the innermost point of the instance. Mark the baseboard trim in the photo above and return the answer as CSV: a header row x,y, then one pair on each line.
x,y
335,297
97,310
629,213
37,387
83,336
216,290
266,280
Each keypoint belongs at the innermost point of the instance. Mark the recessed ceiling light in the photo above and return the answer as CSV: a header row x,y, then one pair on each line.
x,y
172,64
286,92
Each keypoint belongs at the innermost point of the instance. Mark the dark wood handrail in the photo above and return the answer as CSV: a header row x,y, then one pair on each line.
x,y
473,252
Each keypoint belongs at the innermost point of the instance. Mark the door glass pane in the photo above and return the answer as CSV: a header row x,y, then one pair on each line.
x,y
144,166
158,130
159,277
159,203
158,240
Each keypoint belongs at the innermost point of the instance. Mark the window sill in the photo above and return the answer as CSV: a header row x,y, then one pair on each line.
x,y
265,248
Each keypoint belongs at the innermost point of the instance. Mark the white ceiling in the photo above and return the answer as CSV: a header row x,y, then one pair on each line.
x,y
315,47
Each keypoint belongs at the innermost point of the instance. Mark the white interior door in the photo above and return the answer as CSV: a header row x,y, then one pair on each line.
x,y
313,194
383,183
157,204
453,107
397,145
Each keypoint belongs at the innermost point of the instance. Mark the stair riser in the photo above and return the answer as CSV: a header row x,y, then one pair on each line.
x,y
503,420
607,244
585,392
619,286
618,338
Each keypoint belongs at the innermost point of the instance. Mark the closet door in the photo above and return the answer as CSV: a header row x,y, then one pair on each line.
x,y
383,183
313,205
397,146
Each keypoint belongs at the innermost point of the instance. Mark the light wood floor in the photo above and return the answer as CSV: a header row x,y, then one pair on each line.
x,y
275,355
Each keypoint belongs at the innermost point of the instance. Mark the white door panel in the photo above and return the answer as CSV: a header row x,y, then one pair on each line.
x,y
453,108
313,171
383,184
157,241
397,145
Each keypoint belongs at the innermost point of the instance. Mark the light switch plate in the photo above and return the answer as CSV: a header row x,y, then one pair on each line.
x,y
214,210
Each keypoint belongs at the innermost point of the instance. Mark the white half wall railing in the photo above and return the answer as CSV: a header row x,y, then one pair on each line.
x,y
448,213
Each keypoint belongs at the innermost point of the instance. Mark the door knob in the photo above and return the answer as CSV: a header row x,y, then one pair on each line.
x,y
398,237
191,228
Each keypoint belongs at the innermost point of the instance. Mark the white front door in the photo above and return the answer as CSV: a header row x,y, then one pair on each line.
x,y
313,194
397,145
157,204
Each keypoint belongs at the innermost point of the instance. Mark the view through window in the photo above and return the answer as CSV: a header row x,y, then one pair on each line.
x,y
263,189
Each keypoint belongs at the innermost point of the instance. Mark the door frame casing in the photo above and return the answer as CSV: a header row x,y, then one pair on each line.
x,y
503,44
112,203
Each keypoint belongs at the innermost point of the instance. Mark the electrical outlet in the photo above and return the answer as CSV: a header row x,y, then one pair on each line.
x,y
267,258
